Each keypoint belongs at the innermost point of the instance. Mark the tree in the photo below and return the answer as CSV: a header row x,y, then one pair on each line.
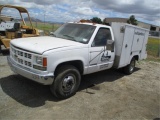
x,y
96,20
132,20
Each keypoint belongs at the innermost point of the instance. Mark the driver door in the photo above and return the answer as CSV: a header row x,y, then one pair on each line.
x,y
100,58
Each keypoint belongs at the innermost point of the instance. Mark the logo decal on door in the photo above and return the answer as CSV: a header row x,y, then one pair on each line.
x,y
105,57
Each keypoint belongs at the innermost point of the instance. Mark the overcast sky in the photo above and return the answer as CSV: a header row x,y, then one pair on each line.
x,y
73,10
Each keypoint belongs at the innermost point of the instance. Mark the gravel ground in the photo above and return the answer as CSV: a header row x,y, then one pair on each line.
x,y
104,95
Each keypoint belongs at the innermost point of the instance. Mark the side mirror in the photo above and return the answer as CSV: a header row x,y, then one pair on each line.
x,y
110,45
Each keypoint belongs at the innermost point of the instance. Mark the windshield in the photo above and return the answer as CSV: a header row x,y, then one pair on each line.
x,y
75,32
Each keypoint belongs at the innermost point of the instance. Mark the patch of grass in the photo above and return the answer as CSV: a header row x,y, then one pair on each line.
x,y
152,58
47,27
153,46
153,49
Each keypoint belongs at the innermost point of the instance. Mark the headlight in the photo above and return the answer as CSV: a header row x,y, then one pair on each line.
x,y
39,60
42,61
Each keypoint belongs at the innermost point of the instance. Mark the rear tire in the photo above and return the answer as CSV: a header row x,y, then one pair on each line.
x,y
66,82
129,69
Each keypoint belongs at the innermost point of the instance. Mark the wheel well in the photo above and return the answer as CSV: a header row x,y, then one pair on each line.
x,y
136,57
77,63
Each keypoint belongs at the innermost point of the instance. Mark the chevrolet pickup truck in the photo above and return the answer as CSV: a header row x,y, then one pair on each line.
x,y
77,49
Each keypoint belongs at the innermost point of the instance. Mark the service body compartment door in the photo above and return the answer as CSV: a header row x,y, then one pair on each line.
x,y
130,40
138,40
126,47
144,53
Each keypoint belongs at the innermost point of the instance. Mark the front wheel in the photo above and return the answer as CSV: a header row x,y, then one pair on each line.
x,y
66,82
130,68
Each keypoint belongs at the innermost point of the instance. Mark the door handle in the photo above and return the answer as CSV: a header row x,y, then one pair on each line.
x,y
126,46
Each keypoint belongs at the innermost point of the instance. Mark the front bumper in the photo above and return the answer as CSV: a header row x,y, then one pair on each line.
x,y
44,78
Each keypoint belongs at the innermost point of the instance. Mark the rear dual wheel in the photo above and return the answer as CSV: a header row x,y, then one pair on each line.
x,y
129,69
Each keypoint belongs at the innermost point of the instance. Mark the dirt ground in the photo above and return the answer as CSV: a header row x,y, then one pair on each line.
x,y
104,95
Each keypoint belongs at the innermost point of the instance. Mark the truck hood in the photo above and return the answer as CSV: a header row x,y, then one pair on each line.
x,y
42,44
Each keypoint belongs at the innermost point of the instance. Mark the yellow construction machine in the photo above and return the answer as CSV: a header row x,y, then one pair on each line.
x,y
11,28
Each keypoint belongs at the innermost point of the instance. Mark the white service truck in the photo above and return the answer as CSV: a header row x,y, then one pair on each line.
x,y
77,49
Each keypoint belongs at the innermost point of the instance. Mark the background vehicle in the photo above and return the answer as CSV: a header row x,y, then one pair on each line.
x,y
11,28
77,49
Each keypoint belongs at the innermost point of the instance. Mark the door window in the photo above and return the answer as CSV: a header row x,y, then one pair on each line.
x,y
101,37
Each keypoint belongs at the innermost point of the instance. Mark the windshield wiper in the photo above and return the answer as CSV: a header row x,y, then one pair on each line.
x,y
72,38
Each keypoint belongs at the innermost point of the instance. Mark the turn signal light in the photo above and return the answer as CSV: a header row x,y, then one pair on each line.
x,y
44,62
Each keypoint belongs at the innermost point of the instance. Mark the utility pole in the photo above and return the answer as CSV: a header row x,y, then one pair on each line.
x,y
36,23
44,22
159,45
53,27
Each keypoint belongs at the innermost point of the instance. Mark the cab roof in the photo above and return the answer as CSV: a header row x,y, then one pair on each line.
x,y
93,24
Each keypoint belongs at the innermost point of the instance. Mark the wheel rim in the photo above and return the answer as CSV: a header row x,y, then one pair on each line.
x,y
132,65
68,83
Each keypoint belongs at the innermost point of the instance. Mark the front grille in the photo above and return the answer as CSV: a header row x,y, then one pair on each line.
x,y
28,63
20,53
26,55
20,61
21,57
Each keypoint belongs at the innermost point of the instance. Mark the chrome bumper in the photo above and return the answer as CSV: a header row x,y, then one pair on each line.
x,y
45,78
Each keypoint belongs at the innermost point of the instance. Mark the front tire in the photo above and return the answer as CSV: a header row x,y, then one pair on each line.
x,y
129,69
66,83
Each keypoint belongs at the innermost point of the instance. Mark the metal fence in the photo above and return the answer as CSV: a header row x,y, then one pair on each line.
x,y
154,33
46,27
153,46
